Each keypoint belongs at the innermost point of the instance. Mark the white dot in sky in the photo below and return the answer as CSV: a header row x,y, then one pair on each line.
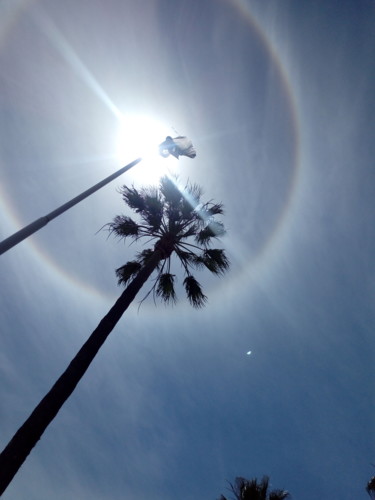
x,y
248,353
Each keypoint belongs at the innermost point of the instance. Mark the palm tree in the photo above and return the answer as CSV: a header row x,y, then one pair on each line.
x,y
370,488
170,218
244,489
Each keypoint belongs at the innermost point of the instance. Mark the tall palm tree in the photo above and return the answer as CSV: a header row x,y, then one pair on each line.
x,y
177,223
244,489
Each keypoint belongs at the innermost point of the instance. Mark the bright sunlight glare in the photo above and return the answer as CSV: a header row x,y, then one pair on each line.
x,y
140,136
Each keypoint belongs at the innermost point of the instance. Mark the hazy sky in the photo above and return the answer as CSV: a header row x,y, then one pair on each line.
x,y
278,97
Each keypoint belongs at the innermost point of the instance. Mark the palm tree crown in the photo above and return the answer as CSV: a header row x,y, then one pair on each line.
x,y
245,489
179,224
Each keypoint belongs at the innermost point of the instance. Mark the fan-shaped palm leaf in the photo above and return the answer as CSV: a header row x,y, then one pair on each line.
x,y
194,292
153,210
188,258
215,260
133,198
213,230
216,209
165,287
123,227
144,256
170,191
128,271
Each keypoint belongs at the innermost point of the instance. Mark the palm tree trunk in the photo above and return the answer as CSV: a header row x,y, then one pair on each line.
x,y
17,450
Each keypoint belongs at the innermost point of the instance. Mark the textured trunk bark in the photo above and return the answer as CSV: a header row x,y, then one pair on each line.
x,y
17,450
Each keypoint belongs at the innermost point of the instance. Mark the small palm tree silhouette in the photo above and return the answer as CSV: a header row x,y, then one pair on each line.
x,y
244,489
370,488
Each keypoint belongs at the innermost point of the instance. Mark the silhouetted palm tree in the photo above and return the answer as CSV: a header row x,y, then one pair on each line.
x,y
245,489
178,224
370,488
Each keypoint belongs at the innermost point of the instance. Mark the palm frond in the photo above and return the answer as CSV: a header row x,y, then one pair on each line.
x,y
208,210
263,487
146,202
370,488
165,288
213,230
188,259
192,230
186,209
123,226
215,209
245,489
215,260
152,212
194,292
170,191
278,495
128,271
195,192
133,198
144,256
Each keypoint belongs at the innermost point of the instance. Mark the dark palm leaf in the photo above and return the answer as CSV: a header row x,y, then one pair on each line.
x,y
128,271
144,256
213,230
278,495
152,213
191,231
170,191
189,259
133,198
245,489
165,288
207,211
194,292
123,226
370,488
215,209
215,260
263,488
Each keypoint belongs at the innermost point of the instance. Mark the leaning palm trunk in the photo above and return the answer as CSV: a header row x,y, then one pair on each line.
x,y
27,436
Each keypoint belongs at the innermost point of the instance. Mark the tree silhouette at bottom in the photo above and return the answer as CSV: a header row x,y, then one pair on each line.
x,y
370,488
245,489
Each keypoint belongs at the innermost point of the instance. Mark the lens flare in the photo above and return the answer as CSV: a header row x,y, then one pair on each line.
x,y
140,136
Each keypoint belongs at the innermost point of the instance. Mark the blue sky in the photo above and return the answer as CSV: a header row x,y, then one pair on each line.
x,y
278,98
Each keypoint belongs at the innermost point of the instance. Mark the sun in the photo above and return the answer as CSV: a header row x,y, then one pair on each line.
x,y
140,136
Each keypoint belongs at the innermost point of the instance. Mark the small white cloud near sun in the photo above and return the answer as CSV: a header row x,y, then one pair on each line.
x,y
140,136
